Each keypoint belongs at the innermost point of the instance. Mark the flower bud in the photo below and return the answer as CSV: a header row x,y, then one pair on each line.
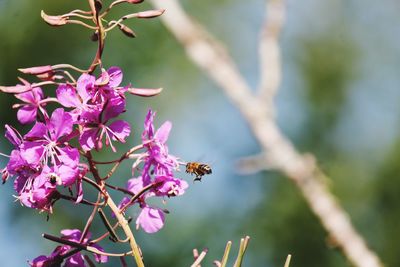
x,y
14,89
145,92
134,1
150,14
37,70
94,37
126,30
54,20
99,5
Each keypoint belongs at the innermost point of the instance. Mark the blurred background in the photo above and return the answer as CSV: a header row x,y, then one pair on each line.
x,y
339,100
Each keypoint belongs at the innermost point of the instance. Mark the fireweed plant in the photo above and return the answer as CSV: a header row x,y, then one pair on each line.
x,y
55,156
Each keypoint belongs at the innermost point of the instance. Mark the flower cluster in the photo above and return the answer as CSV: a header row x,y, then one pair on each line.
x,y
158,171
44,158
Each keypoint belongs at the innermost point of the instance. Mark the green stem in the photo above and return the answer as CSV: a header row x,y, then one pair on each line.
x,y
128,232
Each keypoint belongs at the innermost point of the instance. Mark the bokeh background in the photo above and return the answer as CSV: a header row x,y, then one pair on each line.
x,y
339,100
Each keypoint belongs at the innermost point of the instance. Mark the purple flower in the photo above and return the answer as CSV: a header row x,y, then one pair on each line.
x,y
35,181
169,186
158,171
77,98
28,110
108,83
76,260
158,160
37,192
96,128
16,165
46,141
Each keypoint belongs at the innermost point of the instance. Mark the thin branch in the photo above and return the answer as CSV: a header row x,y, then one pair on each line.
x,y
287,262
135,197
206,52
123,261
196,255
270,58
226,254
110,229
197,262
242,249
89,261
123,190
82,23
83,201
122,158
108,233
84,246
113,235
89,221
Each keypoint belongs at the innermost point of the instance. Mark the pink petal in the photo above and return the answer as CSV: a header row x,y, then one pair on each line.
x,y
60,123
69,156
115,106
12,135
116,75
85,83
163,132
31,96
135,185
71,234
88,139
32,152
67,96
68,175
151,219
27,114
39,130
121,130
148,132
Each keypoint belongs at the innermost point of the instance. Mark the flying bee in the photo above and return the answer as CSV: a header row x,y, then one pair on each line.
x,y
198,169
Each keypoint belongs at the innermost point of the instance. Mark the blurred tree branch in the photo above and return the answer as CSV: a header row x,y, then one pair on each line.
x,y
258,110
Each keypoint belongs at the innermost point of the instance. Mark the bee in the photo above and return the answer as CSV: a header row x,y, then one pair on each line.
x,y
198,169
54,179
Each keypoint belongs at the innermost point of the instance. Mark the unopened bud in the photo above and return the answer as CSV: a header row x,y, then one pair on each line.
x,y
15,89
150,14
134,1
37,70
145,92
54,20
127,31
95,36
99,5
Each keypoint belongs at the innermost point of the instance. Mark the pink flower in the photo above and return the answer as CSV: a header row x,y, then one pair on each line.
x,y
28,110
46,141
96,128
157,160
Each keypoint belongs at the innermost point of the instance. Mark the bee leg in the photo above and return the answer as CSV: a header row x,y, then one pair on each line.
x,y
198,178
